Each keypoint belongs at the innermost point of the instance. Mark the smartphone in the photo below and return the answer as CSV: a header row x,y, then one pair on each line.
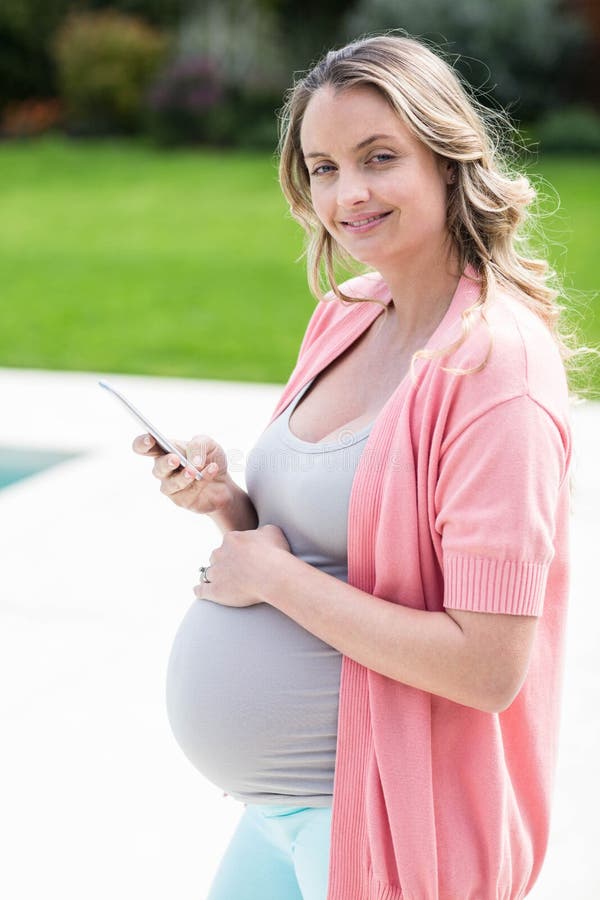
x,y
160,439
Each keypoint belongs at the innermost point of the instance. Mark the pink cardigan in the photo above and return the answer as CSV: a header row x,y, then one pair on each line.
x,y
460,499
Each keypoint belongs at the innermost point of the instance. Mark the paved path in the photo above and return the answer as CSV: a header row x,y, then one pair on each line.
x,y
96,571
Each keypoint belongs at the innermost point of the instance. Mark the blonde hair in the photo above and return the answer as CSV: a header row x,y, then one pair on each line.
x,y
487,203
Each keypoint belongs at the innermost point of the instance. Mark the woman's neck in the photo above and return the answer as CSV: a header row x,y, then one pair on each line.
x,y
421,294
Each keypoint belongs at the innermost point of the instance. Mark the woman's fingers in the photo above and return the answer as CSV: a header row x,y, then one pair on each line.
x,y
198,449
146,445
165,465
179,481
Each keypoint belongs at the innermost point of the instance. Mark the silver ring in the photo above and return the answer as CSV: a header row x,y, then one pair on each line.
x,y
203,570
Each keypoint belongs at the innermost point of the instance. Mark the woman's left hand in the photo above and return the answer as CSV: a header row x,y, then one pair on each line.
x,y
238,568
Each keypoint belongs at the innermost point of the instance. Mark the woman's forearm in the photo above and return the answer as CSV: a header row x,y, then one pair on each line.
x,y
239,514
421,648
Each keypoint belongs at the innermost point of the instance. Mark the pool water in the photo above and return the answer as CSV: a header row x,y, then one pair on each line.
x,y
17,463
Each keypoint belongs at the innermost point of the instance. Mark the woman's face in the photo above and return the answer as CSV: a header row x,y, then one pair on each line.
x,y
376,188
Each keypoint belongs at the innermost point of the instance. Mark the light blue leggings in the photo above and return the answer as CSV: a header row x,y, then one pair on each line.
x,y
276,853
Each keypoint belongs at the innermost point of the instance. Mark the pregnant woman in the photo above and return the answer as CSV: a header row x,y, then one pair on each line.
x,y
373,661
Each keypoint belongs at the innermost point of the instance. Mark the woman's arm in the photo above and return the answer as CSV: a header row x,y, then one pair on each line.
x,y
477,659
239,514
496,503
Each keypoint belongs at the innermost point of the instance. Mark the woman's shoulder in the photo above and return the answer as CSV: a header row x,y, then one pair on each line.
x,y
513,354
524,342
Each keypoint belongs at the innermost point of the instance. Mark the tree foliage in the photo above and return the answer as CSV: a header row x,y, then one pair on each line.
x,y
520,53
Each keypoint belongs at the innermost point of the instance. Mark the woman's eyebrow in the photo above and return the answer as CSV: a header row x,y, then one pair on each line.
x,y
359,146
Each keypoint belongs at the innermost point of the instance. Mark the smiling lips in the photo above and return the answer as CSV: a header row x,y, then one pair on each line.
x,y
365,223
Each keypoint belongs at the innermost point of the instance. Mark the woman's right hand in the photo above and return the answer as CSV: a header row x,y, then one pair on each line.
x,y
209,494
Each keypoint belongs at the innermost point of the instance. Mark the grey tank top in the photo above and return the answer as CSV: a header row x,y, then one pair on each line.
x,y
252,697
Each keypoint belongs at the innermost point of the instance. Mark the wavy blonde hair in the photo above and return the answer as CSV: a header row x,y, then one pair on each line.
x,y
487,215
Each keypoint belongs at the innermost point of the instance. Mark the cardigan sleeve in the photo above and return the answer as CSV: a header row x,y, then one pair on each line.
x,y
496,501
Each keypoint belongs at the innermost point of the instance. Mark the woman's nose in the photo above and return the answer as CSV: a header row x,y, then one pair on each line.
x,y
352,188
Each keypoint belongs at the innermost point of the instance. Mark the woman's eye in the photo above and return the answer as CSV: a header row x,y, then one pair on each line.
x,y
322,170
326,168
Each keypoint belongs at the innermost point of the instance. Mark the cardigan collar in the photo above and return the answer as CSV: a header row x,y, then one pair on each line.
x,y
332,340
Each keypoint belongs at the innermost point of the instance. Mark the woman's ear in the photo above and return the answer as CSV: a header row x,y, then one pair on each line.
x,y
448,169
451,168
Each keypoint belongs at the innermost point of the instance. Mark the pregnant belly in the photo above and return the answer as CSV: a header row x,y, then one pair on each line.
x,y
252,698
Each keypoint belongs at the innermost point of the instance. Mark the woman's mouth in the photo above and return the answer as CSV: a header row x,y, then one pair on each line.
x,y
365,223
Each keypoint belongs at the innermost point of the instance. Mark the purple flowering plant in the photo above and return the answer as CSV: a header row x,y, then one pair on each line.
x,y
190,103
189,85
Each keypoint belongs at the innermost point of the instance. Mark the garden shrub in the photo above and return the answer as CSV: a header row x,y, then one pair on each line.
x,y
240,43
188,103
256,120
243,40
573,129
105,62
27,27
30,118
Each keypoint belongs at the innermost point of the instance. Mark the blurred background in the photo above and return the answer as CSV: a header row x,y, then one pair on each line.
x,y
143,233
143,229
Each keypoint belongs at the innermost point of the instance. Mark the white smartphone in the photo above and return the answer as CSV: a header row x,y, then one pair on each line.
x,y
160,439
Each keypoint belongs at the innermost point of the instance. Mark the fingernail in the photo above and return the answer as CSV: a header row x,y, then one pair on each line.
x,y
187,474
212,468
198,460
147,440
173,463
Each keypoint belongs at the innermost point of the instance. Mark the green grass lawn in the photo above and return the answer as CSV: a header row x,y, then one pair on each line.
x,y
119,258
